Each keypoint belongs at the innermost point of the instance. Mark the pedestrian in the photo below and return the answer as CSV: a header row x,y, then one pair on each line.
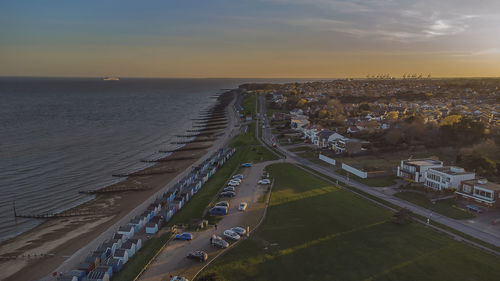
x,y
215,226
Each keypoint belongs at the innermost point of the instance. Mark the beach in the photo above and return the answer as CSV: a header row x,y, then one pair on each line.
x,y
52,245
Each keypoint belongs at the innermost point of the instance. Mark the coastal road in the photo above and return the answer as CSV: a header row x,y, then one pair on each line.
x,y
476,232
172,261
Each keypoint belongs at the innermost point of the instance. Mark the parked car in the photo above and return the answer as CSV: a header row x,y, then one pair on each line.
x,y
231,235
264,181
243,206
239,230
184,236
246,165
198,255
474,208
232,183
235,180
218,242
227,194
218,211
230,188
238,176
178,278
223,204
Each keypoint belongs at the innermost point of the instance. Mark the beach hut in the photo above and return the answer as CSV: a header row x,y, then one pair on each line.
x,y
127,231
118,243
116,264
151,228
109,244
129,246
106,269
168,214
122,255
66,277
185,196
101,253
97,276
74,275
138,244
135,224
121,237
86,266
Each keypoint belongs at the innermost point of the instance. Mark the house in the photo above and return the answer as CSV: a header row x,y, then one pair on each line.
x,y
298,123
448,177
414,169
480,191
122,255
323,137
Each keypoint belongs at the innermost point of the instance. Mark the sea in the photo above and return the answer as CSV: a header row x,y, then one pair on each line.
x,y
59,136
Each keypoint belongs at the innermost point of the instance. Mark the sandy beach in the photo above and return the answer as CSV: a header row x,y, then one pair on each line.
x,y
39,251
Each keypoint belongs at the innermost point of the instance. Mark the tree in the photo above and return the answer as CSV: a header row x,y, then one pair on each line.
x,y
210,277
301,103
450,120
393,115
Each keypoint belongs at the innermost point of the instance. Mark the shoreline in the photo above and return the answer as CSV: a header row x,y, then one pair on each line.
x,y
57,241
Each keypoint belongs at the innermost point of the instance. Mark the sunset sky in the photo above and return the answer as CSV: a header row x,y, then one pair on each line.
x,y
254,38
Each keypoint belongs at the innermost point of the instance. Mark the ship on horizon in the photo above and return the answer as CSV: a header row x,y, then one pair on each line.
x,y
111,79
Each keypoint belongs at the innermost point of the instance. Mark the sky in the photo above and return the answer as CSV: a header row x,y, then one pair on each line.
x,y
254,38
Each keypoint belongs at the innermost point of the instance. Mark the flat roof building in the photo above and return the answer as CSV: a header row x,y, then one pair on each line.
x,y
414,169
448,177
480,191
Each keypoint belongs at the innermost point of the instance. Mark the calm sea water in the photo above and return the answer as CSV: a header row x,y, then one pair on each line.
x,y
59,136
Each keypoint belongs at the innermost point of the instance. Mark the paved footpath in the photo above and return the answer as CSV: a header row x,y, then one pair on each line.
x,y
172,261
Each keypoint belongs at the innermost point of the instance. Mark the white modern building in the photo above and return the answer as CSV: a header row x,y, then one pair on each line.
x,y
414,169
446,177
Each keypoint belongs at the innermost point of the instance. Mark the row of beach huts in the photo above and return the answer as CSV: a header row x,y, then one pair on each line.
x,y
112,255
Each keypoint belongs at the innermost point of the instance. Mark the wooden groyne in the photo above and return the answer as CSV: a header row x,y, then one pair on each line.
x,y
210,125
146,173
194,141
186,149
168,159
209,119
115,189
206,129
195,135
59,215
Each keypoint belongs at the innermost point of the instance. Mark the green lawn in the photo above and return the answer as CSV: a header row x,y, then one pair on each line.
x,y
249,102
315,231
444,207
381,181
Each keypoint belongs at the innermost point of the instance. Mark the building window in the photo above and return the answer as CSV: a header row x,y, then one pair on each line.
x,y
466,188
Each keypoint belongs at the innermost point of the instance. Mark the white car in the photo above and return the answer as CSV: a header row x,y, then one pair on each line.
x,y
243,206
231,235
179,278
232,183
235,180
239,230
264,181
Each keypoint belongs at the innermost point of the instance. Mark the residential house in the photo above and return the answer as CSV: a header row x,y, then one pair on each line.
x,y
480,191
323,137
414,169
448,177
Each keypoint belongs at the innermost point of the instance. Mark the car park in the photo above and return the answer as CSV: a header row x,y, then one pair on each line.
x,y
230,188
231,235
184,236
223,204
243,206
239,230
264,181
246,165
227,194
218,242
198,255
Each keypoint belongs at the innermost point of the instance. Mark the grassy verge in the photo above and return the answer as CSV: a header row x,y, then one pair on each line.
x,y
249,102
444,207
316,231
381,181
141,258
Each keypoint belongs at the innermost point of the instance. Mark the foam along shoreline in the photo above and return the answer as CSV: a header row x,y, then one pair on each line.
x,y
36,253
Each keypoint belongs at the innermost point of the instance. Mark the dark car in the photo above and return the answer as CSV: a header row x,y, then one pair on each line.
x,y
198,255
227,194
229,188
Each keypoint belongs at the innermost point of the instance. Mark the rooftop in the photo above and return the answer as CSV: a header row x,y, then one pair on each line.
x,y
484,184
452,170
423,162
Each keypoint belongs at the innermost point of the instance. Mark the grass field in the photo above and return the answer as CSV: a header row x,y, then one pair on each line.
x,y
249,102
381,181
315,231
444,207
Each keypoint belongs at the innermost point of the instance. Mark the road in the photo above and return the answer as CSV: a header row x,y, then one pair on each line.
x,y
489,237
172,261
